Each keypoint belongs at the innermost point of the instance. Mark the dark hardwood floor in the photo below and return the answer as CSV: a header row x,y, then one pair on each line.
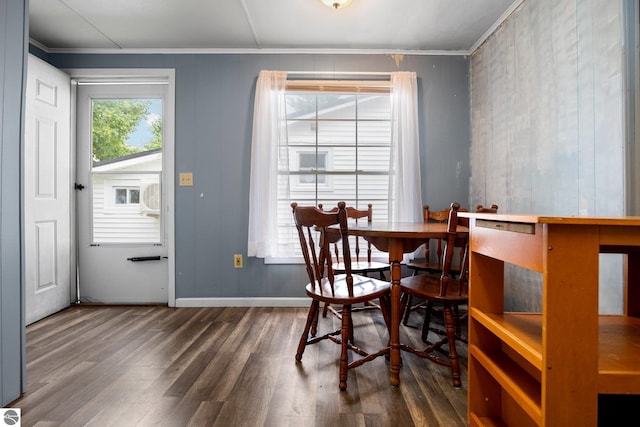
x,y
159,366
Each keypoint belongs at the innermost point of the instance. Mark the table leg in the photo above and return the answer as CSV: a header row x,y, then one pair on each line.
x,y
396,313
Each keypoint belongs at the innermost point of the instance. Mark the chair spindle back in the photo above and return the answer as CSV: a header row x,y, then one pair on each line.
x,y
311,221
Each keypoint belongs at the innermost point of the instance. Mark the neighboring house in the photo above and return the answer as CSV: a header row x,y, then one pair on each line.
x,y
351,156
126,199
345,147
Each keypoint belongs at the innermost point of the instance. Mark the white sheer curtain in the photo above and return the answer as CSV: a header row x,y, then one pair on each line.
x,y
268,134
404,174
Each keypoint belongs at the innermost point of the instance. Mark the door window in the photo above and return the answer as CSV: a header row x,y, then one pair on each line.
x,y
126,168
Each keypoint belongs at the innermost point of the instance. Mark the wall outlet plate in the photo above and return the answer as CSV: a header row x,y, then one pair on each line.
x,y
237,261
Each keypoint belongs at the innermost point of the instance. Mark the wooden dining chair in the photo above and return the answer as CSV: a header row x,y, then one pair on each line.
x,y
362,264
325,286
458,311
446,289
432,261
436,267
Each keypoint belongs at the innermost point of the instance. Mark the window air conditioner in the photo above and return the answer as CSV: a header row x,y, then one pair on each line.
x,y
150,198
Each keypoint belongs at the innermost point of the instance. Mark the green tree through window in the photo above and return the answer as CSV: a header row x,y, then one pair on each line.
x,y
113,121
156,140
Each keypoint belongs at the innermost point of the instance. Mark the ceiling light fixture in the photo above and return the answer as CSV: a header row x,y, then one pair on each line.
x,y
336,4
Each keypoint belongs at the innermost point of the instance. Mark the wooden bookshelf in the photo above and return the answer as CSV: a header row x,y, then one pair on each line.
x,y
548,368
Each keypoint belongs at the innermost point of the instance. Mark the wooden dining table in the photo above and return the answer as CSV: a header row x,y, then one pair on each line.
x,y
397,239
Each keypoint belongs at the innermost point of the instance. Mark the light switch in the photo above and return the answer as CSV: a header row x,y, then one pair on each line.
x,y
186,179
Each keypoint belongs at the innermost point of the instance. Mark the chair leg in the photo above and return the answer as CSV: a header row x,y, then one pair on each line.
x,y
314,323
345,338
351,334
456,314
313,315
406,302
426,325
325,309
385,308
450,325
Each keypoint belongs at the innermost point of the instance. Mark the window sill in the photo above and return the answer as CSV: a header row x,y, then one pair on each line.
x,y
284,260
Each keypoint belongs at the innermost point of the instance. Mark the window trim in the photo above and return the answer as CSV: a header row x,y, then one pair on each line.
x,y
110,185
318,172
128,202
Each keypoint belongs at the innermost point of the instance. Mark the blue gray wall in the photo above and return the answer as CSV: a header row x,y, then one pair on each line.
x,y
13,45
214,112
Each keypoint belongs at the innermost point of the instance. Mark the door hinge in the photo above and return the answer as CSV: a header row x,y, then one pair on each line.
x,y
77,186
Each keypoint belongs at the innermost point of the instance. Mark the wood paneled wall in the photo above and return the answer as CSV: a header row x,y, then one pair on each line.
x,y
547,128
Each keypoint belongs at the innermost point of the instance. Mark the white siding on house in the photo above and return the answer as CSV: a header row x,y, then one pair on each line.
x,y
120,224
114,223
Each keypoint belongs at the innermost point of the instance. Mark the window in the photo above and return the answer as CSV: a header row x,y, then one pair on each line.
x,y
319,142
313,162
344,140
127,196
126,151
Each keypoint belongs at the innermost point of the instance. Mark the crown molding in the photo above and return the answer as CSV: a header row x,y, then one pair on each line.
x,y
39,45
501,20
222,51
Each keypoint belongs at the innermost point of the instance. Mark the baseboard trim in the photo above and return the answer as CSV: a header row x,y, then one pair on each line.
x,y
242,302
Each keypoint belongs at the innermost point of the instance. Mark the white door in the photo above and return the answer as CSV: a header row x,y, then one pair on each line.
x,y
47,191
122,209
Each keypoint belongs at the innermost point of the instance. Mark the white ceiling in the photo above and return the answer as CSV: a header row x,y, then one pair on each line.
x,y
388,25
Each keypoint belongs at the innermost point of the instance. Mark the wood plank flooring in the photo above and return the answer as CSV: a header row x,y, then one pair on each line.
x,y
160,366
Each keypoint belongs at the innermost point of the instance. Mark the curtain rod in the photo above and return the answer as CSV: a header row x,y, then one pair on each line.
x,y
344,73
362,86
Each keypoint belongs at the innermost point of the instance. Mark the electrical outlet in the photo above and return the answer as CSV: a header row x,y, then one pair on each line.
x,y
237,261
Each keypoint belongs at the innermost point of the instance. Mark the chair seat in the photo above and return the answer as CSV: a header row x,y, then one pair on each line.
x,y
362,267
427,286
364,289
